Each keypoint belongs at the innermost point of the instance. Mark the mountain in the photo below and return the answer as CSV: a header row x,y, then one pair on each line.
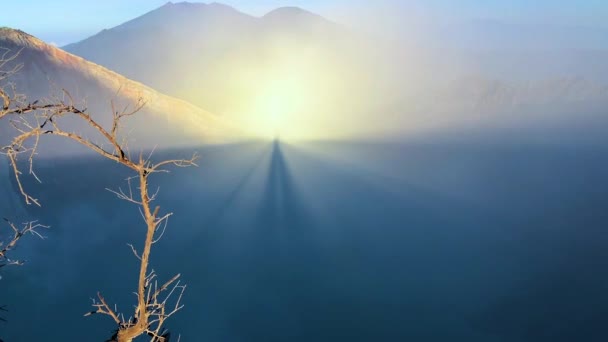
x,y
211,55
338,81
164,120
295,19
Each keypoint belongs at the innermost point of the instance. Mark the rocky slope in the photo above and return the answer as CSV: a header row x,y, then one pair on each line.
x,y
164,121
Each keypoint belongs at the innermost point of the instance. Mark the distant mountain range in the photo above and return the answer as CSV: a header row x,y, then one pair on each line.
x,y
211,55
221,59
164,120
188,46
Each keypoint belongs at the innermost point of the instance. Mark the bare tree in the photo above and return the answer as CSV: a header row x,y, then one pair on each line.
x,y
9,244
156,301
12,103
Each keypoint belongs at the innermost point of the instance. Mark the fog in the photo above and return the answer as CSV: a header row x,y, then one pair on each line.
x,y
430,67
349,241
364,71
420,175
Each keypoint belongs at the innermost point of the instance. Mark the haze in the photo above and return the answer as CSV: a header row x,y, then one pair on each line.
x,y
370,170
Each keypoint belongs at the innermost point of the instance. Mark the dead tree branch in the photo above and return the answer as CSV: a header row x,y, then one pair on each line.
x,y
153,307
11,243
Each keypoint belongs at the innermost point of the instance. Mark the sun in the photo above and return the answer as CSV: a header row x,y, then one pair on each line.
x,y
278,107
287,98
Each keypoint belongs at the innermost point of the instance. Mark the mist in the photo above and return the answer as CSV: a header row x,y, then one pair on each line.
x,y
407,171
330,241
387,70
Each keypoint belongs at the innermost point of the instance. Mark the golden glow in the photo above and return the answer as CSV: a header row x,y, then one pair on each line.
x,y
281,102
293,90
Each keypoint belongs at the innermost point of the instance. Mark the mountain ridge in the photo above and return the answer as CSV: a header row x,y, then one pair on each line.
x,y
189,48
232,66
210,10
47,69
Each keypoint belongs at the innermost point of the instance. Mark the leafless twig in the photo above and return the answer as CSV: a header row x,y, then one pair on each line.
x,y
151,310
16,234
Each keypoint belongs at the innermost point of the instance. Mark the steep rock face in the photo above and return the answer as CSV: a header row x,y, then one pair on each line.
x,y
165,121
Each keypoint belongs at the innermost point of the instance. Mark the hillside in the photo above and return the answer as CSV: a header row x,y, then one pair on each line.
x,y
164,120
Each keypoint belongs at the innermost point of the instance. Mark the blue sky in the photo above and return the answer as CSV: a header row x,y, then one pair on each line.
x,y
65,21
